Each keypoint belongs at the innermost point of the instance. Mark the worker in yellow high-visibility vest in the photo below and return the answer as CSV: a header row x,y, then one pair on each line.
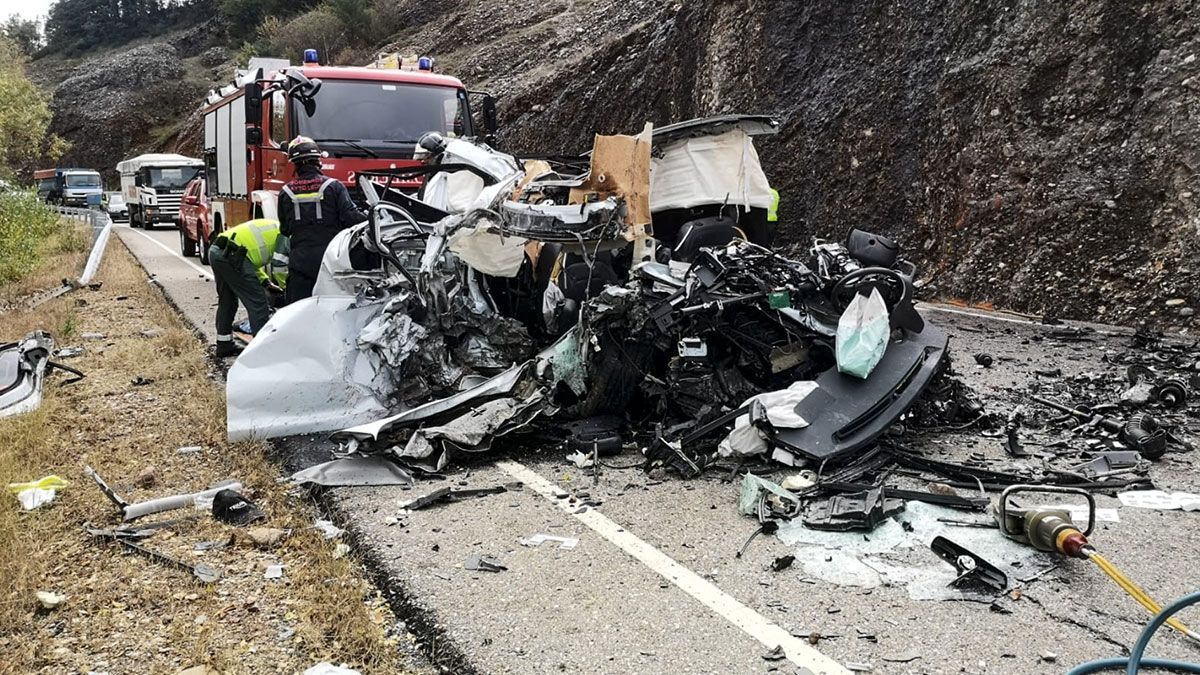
x,y
246,260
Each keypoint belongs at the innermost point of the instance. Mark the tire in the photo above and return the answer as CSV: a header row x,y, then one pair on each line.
x,y
615,373
187,245
203,245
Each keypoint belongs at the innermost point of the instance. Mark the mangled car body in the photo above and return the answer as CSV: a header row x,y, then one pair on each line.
x,y
637,281
23,369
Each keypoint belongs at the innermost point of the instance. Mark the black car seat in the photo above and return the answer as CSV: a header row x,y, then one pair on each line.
x,y
708,232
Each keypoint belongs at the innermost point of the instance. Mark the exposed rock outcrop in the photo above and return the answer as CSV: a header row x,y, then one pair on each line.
x,y
129,101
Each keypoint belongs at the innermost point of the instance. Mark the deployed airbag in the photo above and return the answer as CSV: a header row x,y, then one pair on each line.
x,y
705,170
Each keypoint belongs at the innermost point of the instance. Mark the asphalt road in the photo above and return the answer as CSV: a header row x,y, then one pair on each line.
x,y
653,585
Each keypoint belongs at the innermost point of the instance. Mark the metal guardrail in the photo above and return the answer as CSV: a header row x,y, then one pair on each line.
x,y
101,231
97,218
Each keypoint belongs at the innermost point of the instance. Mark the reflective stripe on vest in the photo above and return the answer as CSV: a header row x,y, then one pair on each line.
x,y
260,255
308,198
256,229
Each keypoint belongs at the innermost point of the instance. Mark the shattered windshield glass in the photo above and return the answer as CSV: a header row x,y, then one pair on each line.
x,y
382,111
172,177
83,179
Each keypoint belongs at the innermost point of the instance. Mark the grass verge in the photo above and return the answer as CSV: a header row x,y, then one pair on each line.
x,y
126,613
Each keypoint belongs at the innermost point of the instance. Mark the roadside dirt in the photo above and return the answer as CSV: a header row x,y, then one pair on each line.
x,y
125,613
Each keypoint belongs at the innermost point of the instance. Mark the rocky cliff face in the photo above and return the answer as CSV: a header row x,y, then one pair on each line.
x,y
126,103
1038,156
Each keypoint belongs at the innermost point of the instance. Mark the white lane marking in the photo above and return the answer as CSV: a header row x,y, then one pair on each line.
x,y
751,622
173,253
1107,331
977,315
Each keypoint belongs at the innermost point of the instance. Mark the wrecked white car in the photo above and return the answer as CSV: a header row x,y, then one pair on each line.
x,y
636,283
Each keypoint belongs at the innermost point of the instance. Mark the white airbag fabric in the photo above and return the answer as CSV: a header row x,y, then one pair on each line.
x,y
709,170
746,439
487,251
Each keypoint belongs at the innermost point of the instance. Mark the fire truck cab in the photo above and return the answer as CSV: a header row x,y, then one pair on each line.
x,y
364,119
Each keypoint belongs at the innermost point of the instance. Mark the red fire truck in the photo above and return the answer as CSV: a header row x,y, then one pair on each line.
x,y
363,119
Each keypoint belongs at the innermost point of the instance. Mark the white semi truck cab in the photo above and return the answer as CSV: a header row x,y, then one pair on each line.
x,y
153,186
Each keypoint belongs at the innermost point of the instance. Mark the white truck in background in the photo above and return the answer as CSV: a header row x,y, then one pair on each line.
x,y
153,186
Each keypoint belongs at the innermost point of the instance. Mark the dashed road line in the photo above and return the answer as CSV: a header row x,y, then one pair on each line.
x,y
752,623
173,253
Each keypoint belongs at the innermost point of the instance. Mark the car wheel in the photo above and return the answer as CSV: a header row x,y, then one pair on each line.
x,y
187,245
203,245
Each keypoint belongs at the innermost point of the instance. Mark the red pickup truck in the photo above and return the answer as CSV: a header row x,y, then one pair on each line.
x,y
195,223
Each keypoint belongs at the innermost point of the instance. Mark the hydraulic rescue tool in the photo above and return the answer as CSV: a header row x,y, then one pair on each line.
x,y
1052,529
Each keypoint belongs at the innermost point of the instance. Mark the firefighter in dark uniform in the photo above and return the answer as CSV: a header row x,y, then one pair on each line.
x,y
312,209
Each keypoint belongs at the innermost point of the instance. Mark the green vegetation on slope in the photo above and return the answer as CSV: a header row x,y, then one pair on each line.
x,y
25,224
24,117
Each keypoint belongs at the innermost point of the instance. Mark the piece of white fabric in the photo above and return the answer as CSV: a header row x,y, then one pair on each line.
x,y
487,251
780,405
34,497
453,192
722,169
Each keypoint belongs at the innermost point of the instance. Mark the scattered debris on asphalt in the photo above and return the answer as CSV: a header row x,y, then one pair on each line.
x,y
448,495
631,301
537,540
484,563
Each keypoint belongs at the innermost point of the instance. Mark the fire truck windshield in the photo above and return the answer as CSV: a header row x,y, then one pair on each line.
x,y
389,112
170,177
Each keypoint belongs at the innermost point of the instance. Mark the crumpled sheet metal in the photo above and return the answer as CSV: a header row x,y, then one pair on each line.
x,y
560,362
23,373
394,336
354,472
504,383
473,430
303,374
429,449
